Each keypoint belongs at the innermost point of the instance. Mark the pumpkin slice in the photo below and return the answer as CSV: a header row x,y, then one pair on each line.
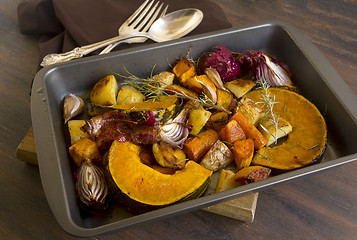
x,y
163,108
307,141
144,188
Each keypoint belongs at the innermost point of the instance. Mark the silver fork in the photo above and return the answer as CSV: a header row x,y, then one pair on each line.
x,y
143,19
133,23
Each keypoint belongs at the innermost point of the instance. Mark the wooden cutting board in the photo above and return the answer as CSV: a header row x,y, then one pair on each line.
x,y
242,208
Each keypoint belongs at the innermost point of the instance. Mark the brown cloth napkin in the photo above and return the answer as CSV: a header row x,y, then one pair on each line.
x,y
66,24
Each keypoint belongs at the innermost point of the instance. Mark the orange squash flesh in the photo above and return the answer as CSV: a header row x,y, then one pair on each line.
x,y
146,186
308,138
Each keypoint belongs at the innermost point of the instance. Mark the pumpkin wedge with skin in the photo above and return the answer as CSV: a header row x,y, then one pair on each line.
x,y
163,108
144,188
307,141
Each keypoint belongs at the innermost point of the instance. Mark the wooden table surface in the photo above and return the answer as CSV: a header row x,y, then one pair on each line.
x,y
322,206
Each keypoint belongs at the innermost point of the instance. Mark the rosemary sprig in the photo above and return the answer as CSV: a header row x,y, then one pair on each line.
x,y
152,89
268,102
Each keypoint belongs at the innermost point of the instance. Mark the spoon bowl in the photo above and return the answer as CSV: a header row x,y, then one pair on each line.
x,y
175,25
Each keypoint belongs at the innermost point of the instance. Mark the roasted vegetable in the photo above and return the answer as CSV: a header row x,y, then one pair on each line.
x,y
167,156
198,119
163,108
184,70
243,151
128,94
250,110
217,121
221,59
250,130
232,132
75,131
143,188
218,156
197,147
165,78
144,134
91,186
72,107
272,132
226,181
175,131
104,93
239,87
305,144
195,83
181,91
224,98
85,150
252,174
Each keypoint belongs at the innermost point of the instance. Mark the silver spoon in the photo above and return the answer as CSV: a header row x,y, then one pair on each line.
x,y
169,27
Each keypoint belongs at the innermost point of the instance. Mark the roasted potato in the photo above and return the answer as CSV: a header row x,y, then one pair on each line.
x,y
129,94
105,91
75,131
217,157
240,87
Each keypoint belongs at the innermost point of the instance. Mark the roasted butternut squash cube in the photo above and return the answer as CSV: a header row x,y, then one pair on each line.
x,y
224,98
198,118
85,150
218,156
240,87
232,132
250,110
75,131
226,181
128,94
184,70
252,174
273,132
250,130
243,152
105,91
196,147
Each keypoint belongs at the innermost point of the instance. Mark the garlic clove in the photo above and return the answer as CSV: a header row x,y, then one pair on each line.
x,y
72,107
209,92
214,76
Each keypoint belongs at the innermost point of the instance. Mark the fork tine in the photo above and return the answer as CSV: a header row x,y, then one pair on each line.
x,y
142,14
150,18
148,25
136,13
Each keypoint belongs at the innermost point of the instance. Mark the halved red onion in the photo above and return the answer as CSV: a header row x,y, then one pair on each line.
x,y
91,186
273,73
175,132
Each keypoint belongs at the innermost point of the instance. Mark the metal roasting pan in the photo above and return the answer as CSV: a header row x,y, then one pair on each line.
x,y
314,75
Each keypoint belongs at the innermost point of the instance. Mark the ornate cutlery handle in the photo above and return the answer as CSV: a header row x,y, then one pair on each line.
x,y
79,52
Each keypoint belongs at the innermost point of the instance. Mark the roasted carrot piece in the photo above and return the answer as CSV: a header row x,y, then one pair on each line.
x,y
252,174
250,130
197,147
243,152
232,132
